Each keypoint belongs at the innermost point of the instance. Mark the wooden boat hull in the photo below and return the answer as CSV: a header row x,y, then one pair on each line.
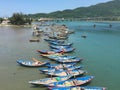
x,y
78,88
54,40
58,57
69,60
48,52
60,65
72,82
29,63
44,70
66,72
59,44
49,80
60,47
65,50
34,40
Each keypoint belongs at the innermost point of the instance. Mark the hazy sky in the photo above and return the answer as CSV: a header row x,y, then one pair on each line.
x,y
8,7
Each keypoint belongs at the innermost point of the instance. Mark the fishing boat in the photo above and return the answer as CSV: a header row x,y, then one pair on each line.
x,y
59,47
72,82
49,80
65,65
54,40
53,55
32,63
53,51
34,40
69,60
59,44
64,50
78,88
59,38
48,52
83,36
66,72
58,57
62,37
59,69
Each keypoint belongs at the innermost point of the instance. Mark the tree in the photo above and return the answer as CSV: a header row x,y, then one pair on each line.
x,y
19,19
1,19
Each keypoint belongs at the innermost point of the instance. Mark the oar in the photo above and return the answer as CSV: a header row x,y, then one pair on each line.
x,y
36,60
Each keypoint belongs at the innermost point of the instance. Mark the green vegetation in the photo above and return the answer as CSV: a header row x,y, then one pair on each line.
x,y
1,19
19,19
105,11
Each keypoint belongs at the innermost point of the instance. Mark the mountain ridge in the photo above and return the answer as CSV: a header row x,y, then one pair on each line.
x,y
111,8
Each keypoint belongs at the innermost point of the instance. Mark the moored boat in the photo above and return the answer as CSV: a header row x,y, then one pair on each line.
x,y
58,56
59,47
59,69
67,72
34,40
72,82
50,39
32,63
69,60
65,65
53,55
78,88
48,52
64,50
49,80
54,40
60,44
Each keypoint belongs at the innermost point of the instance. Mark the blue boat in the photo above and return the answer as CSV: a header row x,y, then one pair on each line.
x,y
65,65
78,88
32,63
49,80
59,69
53,51
58,56
48,52
64,57
54,40
64,50
72,82
69,60
58,38
52,55
66,72
60,44
59,47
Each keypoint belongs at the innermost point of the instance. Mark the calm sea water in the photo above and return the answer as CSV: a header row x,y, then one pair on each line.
x,y
100,50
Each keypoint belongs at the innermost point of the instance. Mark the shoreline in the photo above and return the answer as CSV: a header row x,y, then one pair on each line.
x,y
15,25
68,21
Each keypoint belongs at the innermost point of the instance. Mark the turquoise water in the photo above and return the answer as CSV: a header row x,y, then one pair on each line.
x,y
100,50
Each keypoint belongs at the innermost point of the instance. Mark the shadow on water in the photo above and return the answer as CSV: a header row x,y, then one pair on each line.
x,y
37,86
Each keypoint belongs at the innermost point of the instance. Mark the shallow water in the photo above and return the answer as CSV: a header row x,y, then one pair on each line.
x,y
100,51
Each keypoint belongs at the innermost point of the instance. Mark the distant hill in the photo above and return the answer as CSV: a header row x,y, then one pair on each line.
x,y
111,8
